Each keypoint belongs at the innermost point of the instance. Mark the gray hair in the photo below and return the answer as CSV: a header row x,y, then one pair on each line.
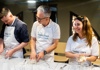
x,y
45,9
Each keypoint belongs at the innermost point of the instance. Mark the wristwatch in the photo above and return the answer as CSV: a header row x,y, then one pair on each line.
x,y
45,52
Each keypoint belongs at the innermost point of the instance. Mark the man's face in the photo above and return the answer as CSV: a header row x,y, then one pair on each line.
x,y
40,18
6,19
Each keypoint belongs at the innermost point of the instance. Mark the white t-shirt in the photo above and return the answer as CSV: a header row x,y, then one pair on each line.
x,y
45,35
80,46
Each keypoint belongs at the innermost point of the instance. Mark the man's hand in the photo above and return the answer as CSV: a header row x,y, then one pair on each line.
x,y
9,53
33,55
1,50
40,55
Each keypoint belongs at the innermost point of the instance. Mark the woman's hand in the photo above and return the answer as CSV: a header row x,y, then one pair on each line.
x,y
81,57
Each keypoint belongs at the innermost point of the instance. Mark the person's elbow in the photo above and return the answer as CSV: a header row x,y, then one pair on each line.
x,y
25,43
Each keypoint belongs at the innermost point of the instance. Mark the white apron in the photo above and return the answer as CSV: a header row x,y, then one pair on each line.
x,y
10,41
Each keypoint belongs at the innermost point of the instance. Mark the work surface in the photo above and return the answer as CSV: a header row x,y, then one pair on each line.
x,y
26,64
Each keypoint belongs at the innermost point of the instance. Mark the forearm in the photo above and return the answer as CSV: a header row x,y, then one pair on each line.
x,y
20,46
71,55
91,58
53,46
33,44
1,45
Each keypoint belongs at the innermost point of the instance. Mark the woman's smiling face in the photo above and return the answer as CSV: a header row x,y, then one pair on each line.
x,y
77,26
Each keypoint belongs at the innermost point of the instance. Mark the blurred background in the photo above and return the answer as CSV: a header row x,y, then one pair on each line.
x,y
62,12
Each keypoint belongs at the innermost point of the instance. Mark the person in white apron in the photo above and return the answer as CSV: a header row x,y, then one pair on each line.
x,y
82,47
14,34
45,35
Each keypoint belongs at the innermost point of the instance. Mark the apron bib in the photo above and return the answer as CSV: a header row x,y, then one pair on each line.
x,y
11,42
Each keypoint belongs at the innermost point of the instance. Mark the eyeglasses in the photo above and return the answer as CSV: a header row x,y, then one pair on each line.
x,y
40,18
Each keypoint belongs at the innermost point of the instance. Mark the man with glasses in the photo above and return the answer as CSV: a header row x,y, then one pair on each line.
x,y
45,35
14,35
